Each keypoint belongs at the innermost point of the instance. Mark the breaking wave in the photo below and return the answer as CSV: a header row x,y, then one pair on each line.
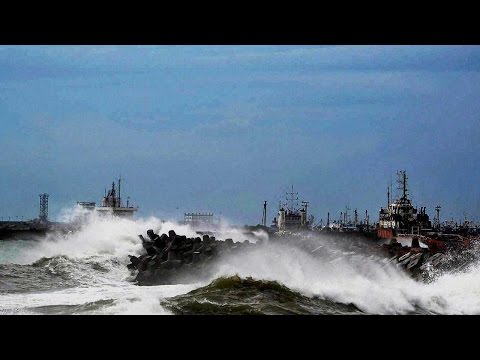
x,y
85,272
246,296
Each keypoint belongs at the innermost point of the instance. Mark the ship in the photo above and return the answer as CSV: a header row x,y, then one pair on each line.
x,y
400,217
112,204
292,217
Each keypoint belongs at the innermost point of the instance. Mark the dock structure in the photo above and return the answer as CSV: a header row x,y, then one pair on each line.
x,y
25,228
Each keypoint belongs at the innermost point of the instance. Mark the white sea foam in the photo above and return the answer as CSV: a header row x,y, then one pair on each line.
x,y
126,299
104,243
359,279
328,271
118,237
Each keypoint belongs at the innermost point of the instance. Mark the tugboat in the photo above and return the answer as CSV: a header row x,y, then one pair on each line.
x,y
400,217
414,245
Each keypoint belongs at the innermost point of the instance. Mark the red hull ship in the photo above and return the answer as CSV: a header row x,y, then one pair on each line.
x,y
400,217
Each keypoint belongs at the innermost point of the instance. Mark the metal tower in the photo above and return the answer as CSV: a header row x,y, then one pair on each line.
x,y
43,215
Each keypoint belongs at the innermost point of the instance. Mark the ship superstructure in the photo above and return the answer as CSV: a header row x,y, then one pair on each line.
x,y
112,204
290,217
400,216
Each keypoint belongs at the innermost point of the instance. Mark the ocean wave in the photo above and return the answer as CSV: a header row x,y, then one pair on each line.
x,y
340,272
72,309
304,274
233,295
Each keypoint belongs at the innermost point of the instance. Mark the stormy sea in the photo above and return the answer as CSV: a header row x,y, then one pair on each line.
x,y
85,272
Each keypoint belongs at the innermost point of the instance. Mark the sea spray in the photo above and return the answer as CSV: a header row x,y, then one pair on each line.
x,y
85,272
357,278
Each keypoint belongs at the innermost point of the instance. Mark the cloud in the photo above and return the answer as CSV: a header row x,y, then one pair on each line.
x,y
20,62
353,58
193,124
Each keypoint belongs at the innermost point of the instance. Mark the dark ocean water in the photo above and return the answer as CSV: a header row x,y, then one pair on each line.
x,y
233,295
85,273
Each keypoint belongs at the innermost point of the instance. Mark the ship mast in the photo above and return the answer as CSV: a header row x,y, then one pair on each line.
x,y
119,191
292,209
112,194
402,183
345,215
264,216
437,219
388,196
389,192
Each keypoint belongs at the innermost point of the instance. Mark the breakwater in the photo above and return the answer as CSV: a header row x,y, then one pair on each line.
x,y
176,259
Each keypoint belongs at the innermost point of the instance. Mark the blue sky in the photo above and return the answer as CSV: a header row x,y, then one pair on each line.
x,y
222,128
